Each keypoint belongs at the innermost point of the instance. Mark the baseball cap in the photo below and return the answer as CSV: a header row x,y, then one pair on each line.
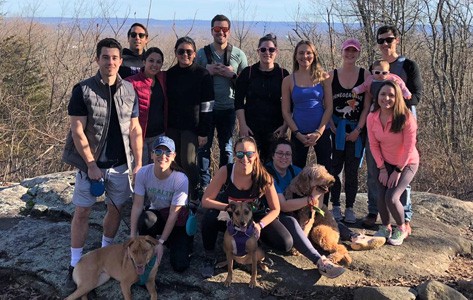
x,y
351,43
164,141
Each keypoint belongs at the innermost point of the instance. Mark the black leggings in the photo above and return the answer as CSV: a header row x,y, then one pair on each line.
x,y
274,235
180,244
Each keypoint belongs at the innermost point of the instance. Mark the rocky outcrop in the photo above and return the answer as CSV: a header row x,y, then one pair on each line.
x,y
35,227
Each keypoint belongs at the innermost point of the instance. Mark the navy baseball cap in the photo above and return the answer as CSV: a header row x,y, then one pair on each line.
x,y
164,141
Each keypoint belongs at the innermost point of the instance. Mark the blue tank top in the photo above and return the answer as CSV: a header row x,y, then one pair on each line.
x,y
308,106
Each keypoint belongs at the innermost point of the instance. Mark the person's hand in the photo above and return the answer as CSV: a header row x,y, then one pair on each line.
x,y
383,176
159,249
353,136
245,131
280,131
202,140
212,68
94,172
313,137
257,232
393,179
313,199
303,139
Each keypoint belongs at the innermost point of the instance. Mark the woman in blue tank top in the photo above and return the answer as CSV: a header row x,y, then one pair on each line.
x,y
311,96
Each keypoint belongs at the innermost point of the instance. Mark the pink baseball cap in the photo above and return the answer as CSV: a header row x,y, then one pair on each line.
x,y
351,43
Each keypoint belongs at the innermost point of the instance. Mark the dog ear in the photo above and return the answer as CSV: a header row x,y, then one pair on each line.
x,y
130,242
231,207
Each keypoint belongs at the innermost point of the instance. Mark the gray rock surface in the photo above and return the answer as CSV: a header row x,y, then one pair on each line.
x,y
434,290
385,293
35,227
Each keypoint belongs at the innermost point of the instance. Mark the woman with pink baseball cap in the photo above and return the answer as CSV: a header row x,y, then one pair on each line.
x,y
347,125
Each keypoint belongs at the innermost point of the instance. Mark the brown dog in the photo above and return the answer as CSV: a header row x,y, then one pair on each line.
x,y
321,229
240,243
123,262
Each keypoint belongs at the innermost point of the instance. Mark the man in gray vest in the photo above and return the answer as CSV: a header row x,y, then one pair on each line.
x,y
104,134
388,37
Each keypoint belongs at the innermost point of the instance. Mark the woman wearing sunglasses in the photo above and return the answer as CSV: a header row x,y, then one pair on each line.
x,y
244,180
165,186
307,106
258,97
150,88
191,96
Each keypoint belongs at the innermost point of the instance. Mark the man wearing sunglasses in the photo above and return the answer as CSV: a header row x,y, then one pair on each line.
x,y
133,57
224,62
388,37
104,133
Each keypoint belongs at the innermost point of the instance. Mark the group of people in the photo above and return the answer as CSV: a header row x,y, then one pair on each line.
x,y
135,127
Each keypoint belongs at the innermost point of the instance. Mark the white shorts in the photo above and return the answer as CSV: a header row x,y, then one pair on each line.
x,y
117,187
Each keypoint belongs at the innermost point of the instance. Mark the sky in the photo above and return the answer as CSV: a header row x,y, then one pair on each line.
x,y
260,10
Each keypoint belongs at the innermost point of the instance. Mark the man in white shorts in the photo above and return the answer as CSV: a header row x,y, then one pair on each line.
x,y
104,133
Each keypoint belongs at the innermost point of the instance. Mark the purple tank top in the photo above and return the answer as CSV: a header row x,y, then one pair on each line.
x,y
308,106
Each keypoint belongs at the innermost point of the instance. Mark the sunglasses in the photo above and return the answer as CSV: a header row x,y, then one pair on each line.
x,y
161,152
282,154
388,40
141,35
270,49
241,154
381,72
189,52
219,28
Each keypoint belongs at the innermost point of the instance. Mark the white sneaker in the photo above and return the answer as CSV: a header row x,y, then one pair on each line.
x,y
337,213
328,268
350,216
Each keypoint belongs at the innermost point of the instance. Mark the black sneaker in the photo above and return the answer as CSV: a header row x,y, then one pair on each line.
x,y
207,269
70,286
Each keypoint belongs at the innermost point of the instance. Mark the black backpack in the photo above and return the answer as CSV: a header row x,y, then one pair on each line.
x,y
226,56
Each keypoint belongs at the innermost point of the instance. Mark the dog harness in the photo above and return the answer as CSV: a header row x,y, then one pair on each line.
x,y
144,277
240,236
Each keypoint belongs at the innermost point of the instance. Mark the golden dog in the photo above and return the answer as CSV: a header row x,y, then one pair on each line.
x,y
123,262
321,229
240,243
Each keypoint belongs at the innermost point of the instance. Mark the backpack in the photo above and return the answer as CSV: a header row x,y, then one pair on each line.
x,y
226,56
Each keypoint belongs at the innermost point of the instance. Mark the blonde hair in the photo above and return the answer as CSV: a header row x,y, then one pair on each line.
x,y
260,177
381,63
317,73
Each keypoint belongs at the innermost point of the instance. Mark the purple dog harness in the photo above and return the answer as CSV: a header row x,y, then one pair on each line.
x,y
240,236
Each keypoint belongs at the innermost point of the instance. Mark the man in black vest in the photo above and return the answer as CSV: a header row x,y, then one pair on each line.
x,y
104,133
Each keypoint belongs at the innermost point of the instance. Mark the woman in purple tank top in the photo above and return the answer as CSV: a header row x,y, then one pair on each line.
x,y
311,96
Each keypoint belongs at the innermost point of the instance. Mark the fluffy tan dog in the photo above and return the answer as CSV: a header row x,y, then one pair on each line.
x,y
123,262
321,228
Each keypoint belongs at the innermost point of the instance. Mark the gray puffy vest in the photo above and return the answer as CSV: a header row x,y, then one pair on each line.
x,y
96,93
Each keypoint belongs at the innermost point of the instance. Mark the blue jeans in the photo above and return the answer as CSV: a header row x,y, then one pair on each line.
x,y
372,182
224,122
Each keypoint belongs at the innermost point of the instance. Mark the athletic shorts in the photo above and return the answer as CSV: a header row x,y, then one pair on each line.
x,y
117,187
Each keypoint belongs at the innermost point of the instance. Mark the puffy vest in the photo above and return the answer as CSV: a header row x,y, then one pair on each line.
x,y
96,94
142,86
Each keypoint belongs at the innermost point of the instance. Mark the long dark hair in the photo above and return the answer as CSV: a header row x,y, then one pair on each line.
x,y
400,110
153,50
260,177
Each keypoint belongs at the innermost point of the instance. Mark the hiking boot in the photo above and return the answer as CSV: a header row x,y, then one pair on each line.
x,y
398,236
364,242
328,269
350,216
69,286
207,269
384,231
337,213
369,221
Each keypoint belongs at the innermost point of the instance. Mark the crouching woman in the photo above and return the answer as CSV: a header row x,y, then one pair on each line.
x,y
166,189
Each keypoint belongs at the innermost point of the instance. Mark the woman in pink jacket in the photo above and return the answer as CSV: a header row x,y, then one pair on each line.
x,y
150,87
392,135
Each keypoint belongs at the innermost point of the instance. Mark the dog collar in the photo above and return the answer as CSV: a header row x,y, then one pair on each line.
x,y
144,277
